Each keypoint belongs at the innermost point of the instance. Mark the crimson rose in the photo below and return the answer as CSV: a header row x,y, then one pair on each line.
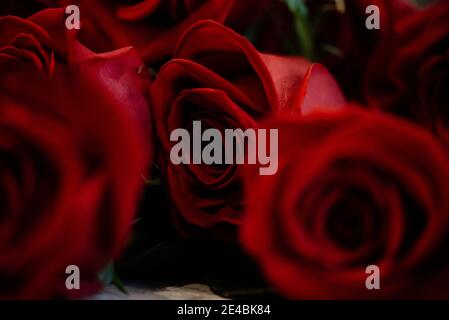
x,y
415,73
348,46
354,188
153,27
219,78
73,150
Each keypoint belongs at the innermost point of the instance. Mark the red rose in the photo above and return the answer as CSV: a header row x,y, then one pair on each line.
x,y
153,27
348,45
217,77
415,68
354,189
73,150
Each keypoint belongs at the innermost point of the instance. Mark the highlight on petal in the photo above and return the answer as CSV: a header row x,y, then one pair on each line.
x,y
226,53
319,91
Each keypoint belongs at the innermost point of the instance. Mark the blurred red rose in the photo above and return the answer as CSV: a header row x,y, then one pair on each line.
x,y
354,188
219,78
346,46
153,27
73,150
413,80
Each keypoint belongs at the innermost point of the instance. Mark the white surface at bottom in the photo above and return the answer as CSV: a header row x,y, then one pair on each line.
x,y
187,292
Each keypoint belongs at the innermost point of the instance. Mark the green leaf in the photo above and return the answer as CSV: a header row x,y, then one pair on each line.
x,y
108,276
303,27
119,284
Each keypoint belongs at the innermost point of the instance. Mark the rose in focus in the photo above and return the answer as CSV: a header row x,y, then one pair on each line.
x,y
219,78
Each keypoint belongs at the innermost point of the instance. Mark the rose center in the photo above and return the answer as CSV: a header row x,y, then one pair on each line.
x,y
348,225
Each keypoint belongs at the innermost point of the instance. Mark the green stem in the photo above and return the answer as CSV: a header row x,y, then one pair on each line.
x,y
303,27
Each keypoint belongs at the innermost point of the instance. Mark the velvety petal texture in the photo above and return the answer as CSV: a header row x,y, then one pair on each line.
x,y
153,27
74,149
348,47
354,188
219,78
413,81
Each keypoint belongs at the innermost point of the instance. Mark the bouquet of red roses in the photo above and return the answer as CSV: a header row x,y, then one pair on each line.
x,y
294,148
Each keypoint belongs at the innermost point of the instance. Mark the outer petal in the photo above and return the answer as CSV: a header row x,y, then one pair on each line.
x,y
279,77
